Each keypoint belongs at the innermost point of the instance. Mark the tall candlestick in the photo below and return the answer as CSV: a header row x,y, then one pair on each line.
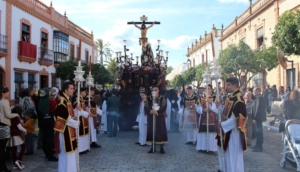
x,y
79,53
90,63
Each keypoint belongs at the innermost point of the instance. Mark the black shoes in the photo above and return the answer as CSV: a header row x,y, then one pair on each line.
x,y
95,145
162,151
189,143
53,159
151,150
29,153
257,150
137,143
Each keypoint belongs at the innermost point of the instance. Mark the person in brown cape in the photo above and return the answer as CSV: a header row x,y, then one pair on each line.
x,y
160,124
65,131
234,128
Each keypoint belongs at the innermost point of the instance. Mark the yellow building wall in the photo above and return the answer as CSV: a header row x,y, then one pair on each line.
x,y
248,32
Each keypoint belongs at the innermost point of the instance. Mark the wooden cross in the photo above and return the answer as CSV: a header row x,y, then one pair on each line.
x,y
143,20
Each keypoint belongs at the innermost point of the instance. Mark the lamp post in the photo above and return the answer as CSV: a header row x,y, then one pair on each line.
x,y
215,75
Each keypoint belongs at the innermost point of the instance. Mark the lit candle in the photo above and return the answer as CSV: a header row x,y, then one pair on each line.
x,y
124,42
90,63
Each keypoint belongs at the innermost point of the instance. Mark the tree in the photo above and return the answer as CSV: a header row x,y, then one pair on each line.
x,y
177,81
111,65
169,69
101,75
64,68
103,49
189,75
240,60
200,69
287,33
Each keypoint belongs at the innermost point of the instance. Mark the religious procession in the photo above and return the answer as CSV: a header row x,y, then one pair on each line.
x,y
68,104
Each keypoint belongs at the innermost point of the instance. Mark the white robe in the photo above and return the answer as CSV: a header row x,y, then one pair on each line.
x,y
67,161
202,137
192,134
84,143
104,116
234,155
142,120
92,130
168,118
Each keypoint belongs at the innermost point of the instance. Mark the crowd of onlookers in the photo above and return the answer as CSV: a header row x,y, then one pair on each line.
x,y
29,124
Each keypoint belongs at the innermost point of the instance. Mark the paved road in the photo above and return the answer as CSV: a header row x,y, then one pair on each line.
x,y
121,154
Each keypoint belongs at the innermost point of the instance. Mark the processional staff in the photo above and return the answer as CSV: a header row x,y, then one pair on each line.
x,y
90,83
78,79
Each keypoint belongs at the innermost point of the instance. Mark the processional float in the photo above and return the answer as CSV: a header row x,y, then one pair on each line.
x,y
145,70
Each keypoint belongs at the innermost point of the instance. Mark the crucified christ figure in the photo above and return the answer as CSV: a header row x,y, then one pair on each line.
x,y
144,29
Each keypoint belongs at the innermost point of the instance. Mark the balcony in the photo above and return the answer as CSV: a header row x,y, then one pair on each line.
x,y
27,52
3,46
45,56
58,58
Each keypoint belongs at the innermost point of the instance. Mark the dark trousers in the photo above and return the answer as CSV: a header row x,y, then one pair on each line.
x,y
48,137
2,153
259,134
268,106
14,152
29,142
40,138
112,124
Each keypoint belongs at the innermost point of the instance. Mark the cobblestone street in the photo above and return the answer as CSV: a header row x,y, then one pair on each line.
x,y
122,154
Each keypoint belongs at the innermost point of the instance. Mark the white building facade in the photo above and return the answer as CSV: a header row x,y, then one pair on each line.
x,y
205,49
177,71
34,40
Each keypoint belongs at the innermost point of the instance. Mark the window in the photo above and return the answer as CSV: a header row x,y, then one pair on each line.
x,y
258,79
18,84
206,54
31,81
60,46
44,40
2,74
194,63
72,52
25,33
260,37
53,79
202,58
87,56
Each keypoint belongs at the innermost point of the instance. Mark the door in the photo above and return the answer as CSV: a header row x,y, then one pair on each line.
x,y
43,81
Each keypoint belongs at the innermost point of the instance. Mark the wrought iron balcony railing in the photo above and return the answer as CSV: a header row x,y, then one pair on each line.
x,y
45,55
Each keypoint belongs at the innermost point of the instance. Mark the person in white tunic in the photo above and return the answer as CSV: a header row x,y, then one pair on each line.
x,y
65,132
206,139
94,111
142,120
234,127
84,123
189,116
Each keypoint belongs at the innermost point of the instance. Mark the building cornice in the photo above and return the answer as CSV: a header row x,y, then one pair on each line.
x,y
53,18
254,10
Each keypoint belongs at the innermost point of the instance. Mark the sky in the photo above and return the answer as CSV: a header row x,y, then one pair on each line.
x,y
182,21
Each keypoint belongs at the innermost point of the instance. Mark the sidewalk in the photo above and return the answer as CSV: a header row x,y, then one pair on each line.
x,y
276,110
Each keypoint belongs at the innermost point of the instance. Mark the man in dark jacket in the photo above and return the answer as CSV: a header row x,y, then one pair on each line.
x,y
113,112
258,117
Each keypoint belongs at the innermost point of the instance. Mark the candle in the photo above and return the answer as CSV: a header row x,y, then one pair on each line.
x,y
79,54
90,63
79,63
124,42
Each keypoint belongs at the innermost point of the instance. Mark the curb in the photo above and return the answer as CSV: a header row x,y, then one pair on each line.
x,y
272,128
